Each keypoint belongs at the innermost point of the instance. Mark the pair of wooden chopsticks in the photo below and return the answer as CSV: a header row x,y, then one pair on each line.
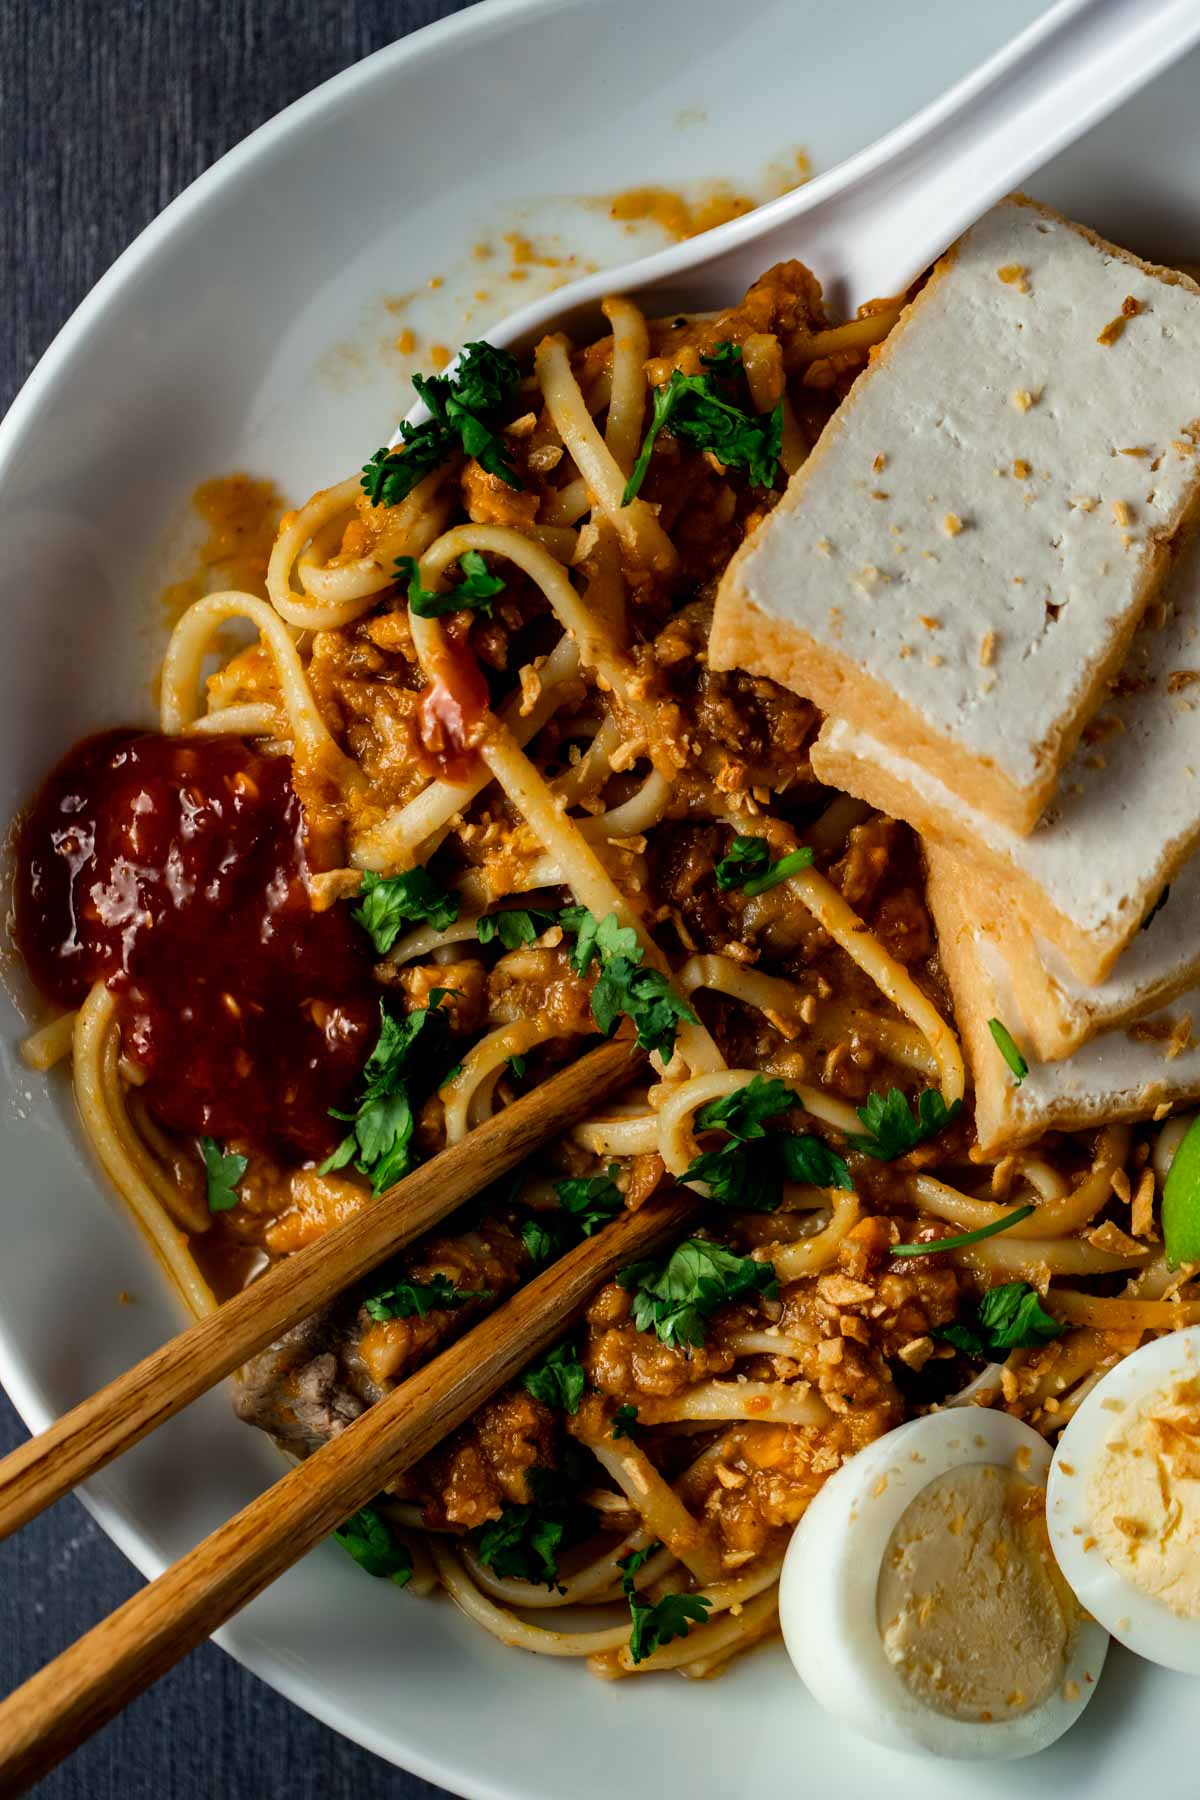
x,y
93,1680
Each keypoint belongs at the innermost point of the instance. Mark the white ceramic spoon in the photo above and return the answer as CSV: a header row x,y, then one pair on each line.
x,y
873,223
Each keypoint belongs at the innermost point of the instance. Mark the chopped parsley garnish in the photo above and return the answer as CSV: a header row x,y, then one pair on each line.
x,y
749,1171
222,1174
369,1541
967,1237
1006,1044
893,1129
624,1420
644,996
605,938
558,1380
586,1203
1009,1317
389,902
696,410
474,593
1181,1202
522,1544
742,1113
414,1299
806,1158
746,856
514,927
541,1242
460,407
516,1067
398,1073
660,1622
675,1298
792,864
590,1201
747,864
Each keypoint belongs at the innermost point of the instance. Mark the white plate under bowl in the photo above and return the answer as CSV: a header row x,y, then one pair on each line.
x,y
244,330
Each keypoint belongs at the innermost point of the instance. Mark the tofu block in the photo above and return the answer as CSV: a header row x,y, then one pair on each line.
x,y
1126,1073
960,565
1127,816
1059,1013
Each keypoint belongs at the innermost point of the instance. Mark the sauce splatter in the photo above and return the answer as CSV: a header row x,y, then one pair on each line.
x,y
174,870
242,516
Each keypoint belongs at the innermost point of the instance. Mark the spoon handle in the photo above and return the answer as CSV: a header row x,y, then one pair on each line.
x,y
891,210
875,221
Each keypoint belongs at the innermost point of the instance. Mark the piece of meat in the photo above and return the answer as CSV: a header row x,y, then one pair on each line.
x,y
490,1260
465,996
310,1384
486,1464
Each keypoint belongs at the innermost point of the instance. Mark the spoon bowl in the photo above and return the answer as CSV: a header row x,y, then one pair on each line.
x,y
871,225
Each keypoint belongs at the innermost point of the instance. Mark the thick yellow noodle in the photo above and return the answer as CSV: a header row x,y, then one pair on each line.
x,y
150,1195
635,524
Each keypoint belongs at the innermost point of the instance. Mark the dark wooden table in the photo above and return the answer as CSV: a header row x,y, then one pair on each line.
x,y
107,110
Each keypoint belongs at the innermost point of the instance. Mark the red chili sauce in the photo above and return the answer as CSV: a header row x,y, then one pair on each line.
x,y
452,710
174,870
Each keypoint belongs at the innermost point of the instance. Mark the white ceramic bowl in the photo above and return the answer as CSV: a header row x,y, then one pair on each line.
x,y
243,330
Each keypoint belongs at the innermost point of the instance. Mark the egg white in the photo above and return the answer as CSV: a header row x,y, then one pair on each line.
x,y
827,1596
1143,1624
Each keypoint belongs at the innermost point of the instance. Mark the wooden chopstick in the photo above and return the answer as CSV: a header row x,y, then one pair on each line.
x,y
122,1656
40,1472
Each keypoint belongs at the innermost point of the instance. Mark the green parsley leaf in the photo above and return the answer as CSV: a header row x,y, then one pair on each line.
x,y
1009,1317
967,1237
1181,1202
400,1068
516,1067
675,1298
806,1158
513,927
624,1420
522,1544
473,594
604,938
558,1380
1006,1045
742,1112
590,1201
405,1299
671,1617
460,406
694,409
894,1130
637,1559
788,865
222,1174
369,1541
542,1240
661,1622
746,856
389,902
585,1204
725,362
644,996
749,1171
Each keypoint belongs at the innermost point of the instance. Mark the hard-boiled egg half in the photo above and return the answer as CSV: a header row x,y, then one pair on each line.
x,y
920,1603
1123,1501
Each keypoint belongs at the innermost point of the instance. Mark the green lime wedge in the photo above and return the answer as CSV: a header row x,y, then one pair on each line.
x,y
1181,1202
